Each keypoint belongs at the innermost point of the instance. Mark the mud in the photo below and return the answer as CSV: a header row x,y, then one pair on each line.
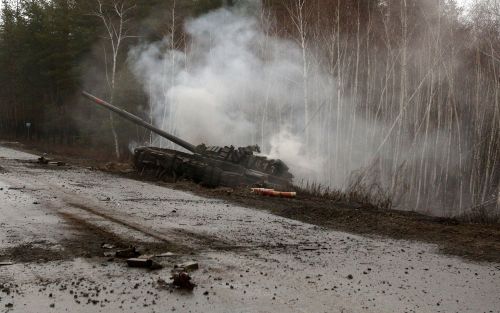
x,y
478,242
249,260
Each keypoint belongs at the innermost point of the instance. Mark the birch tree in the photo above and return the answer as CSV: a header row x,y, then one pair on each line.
x,y
115,18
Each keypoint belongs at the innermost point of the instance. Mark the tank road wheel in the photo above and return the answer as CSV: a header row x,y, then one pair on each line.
x,y
231,179
211,176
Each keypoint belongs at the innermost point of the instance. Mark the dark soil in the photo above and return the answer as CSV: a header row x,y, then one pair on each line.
x,y
478,242
86,242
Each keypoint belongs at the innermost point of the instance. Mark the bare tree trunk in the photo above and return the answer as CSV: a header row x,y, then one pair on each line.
x,y
114,21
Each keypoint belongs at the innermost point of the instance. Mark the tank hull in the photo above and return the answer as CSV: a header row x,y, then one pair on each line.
x,y
168,164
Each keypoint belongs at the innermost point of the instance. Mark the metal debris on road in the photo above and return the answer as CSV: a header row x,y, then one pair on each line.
x,y
6,263
45,161
182,280
127,253
143,263
107,246
166,254
187,266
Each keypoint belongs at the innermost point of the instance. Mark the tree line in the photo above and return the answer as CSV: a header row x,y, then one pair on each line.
x,y
51,49
413,88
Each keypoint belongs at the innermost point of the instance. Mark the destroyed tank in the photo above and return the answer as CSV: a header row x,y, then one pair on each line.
x,y
210,166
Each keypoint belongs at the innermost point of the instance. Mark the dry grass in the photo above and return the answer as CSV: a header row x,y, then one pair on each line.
x,y
485,213
357,193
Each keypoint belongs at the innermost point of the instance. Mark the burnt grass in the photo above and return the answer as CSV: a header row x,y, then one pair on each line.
x,y
473,241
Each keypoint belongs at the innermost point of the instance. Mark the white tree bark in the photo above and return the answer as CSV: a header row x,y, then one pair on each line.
x,y
115,23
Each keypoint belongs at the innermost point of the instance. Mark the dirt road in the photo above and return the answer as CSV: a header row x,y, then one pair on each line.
x,y
54,220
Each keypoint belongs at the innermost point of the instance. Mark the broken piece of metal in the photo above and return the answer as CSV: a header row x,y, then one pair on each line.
x,y
182,280
164,255
127,253
143,263
46,161
6,263
107,246
187,266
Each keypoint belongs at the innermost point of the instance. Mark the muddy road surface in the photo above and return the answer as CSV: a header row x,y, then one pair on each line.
x,y
58,225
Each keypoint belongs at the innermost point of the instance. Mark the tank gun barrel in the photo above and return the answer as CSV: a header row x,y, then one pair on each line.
x,y
138,121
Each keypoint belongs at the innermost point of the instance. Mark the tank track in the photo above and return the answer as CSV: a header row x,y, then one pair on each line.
x,y
168,164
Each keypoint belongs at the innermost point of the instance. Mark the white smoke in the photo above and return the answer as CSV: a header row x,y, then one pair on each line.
x,y
237,84
228,86
289,148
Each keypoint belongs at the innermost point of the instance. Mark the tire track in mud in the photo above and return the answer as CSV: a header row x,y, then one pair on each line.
x,y
205,242
134,226
64,203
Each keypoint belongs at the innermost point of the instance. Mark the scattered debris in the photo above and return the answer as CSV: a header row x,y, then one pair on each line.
x,y
166,254
144,263
107,246
162,284
274,193
127,253
6,263
182,280
45,161
187,266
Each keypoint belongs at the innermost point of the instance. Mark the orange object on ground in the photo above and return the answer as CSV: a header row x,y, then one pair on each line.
x,y
285,194
274,193
261,190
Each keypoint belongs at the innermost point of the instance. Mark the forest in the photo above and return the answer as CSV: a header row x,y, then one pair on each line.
x,y
399,96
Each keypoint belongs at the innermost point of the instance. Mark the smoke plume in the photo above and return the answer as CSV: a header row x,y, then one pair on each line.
x,y
227,88
238,83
